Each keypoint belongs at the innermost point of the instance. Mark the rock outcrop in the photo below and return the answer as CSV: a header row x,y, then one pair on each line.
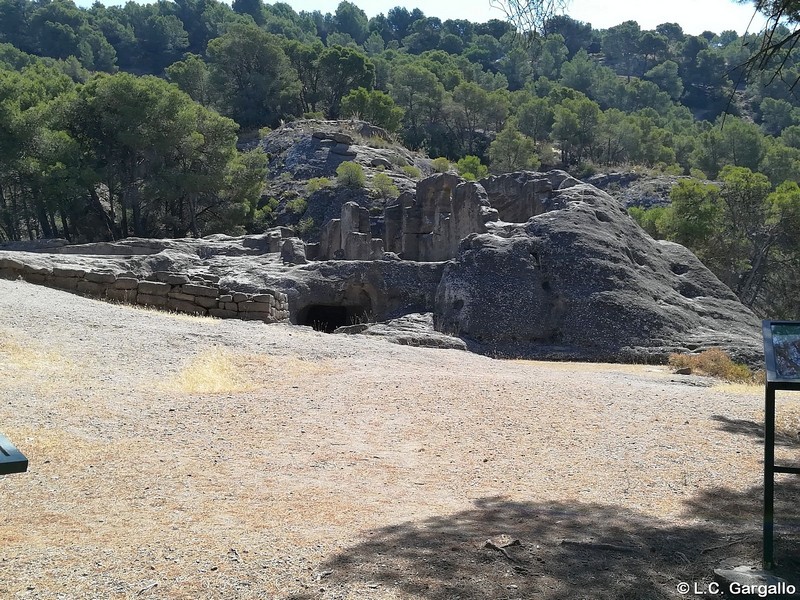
x,y
429,226
582,280
525,264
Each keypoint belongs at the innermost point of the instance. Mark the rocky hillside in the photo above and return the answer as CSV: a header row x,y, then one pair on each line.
x,y
304,155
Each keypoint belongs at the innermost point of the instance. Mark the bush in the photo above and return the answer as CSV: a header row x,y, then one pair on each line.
x,y
714,363
297,206
305,226
698,174
397,160
384,185
470,168
350,174
441,164
412,171
317,183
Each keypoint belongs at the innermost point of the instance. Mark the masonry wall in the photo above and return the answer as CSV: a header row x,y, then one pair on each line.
x,y
190,294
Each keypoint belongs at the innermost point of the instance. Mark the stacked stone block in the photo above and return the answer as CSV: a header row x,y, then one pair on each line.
x,y
195,294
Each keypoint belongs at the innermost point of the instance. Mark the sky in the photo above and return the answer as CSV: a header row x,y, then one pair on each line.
x,y
695,16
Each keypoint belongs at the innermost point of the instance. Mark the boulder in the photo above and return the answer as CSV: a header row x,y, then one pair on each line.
x,y
293,252
583,281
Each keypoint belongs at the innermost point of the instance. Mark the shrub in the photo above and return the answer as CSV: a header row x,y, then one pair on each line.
x,y
350,174
470,168
397,160
305,226
297,206
384,185
441,164
412,171
714,363
697,174
317,183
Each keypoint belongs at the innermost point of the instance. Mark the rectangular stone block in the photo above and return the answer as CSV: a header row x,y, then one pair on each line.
x,y
126,283
37,278
181,296
185,307
177,279
265,298
100,277
119,295
230,306
226,298
200,290
88,287
239,297
150,300
206,302
221,313
154,288
9,273
254,307
65,272
64,283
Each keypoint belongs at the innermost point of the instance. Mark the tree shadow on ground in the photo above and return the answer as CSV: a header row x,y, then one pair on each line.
x,y
565,550
752,429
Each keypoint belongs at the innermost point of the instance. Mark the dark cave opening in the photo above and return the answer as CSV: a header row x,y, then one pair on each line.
x,y
327,317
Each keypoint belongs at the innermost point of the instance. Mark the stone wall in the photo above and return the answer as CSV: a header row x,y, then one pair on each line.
x,y
190,294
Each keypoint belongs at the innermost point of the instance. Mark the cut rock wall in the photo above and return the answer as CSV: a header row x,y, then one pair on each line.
x,y
195,294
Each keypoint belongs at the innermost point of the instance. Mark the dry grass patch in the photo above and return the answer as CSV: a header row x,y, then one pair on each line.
x,y
215,371
169,313
24,361
715,363
221,371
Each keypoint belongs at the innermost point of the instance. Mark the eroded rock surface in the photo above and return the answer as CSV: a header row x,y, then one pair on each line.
x,y
582,280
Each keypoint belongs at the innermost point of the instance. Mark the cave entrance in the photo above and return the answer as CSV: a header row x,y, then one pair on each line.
x,y
327,317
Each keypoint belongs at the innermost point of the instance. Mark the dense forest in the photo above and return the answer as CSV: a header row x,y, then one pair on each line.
x,y
118,121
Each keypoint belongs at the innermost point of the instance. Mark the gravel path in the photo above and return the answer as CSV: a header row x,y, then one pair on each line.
x,y
348,467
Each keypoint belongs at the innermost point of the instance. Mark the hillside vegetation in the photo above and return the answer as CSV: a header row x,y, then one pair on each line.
x,y
124,120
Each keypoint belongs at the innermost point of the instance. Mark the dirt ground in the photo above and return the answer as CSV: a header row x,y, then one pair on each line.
x,y
178,457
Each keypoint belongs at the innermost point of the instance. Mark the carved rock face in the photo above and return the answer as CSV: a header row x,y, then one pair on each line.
x,y
582,280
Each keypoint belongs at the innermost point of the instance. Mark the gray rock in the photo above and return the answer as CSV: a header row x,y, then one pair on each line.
x,y
379,161
583,281
293,252
154,288
199,290
409,330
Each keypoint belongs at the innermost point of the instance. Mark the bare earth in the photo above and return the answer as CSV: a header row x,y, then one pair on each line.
x,y
347,467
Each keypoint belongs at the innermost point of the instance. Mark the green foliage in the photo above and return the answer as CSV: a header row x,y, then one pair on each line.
x,y
341,70
512,151
412,171
317,183
384,185
297,206
373,106
350,174
655,221
305,227
471,169
251,76
440,165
